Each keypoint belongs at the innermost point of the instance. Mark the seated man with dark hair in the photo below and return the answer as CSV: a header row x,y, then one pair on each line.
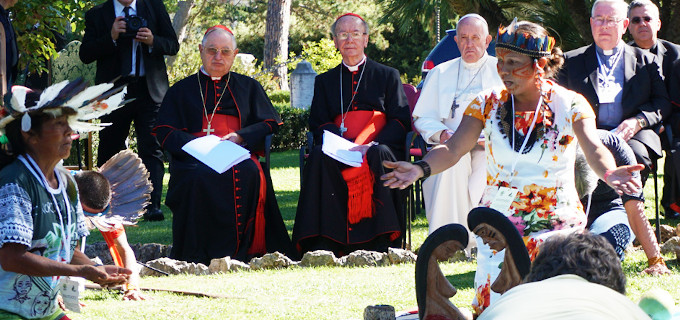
x,y
95,198
575,276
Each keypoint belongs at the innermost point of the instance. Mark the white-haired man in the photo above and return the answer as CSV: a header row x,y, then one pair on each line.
x,y
448,89
628,95
343,209
621,83
233,213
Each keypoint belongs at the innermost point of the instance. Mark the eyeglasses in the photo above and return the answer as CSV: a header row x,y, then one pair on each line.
x,y
601,21
344,35
637,20
214,51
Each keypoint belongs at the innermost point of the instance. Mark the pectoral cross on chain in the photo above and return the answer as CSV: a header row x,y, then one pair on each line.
x,y
208,131
342,129
454,106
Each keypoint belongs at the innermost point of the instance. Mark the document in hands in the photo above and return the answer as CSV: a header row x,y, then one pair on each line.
x,y
338,147
215,153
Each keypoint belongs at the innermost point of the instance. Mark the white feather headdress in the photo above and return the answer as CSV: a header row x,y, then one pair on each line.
x,y
74,98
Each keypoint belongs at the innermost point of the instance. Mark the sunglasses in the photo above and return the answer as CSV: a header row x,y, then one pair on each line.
x,y
637,20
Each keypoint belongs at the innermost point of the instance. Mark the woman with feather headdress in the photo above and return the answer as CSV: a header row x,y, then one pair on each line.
x,y
531,128
41,220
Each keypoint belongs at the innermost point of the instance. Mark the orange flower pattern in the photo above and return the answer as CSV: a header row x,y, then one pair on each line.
x,y
483,296
546,201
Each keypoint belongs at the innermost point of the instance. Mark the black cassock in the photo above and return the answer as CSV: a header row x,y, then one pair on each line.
x,y
321,220
214,215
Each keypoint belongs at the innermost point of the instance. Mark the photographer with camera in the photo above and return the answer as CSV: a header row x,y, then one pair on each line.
x,y
128,39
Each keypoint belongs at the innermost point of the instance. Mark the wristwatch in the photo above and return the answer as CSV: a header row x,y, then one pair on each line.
x,y
425,167
642,121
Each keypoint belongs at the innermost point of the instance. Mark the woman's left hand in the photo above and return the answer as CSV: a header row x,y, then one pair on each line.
x,y
622,180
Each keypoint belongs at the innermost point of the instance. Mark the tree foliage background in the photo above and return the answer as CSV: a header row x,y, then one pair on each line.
x,y
402,31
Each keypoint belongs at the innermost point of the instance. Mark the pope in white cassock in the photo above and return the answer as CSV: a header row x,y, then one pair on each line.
x,y
447,91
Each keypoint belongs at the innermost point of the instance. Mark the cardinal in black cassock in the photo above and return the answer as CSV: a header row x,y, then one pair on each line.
x,y
341,208
230,214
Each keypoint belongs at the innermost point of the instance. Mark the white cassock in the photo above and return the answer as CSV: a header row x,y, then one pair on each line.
x,y
451,194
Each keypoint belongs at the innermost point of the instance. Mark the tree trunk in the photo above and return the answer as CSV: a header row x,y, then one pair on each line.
x,y
179,23
276,40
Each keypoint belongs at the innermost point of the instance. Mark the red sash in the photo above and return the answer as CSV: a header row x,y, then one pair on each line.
x,y
362,127
223,125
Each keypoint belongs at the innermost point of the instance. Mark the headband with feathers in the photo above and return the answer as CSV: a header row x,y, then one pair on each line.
x,y
74,99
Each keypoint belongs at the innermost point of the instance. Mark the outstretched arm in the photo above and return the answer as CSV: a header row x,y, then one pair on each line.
x,y
15,258
439,159
130,262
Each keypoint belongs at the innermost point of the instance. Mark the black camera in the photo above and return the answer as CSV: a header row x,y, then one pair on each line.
x,y
132,24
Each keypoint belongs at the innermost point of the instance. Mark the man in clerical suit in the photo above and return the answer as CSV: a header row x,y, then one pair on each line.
x,y
446,93
233,213
644,26
621,83
343,208
135,58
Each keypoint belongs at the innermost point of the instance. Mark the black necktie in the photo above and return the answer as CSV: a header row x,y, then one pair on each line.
x,y
127,45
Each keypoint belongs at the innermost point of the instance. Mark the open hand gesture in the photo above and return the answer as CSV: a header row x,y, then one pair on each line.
x,y
622,180
403,175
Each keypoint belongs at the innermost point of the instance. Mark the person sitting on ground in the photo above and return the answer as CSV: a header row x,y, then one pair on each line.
x,y
95,197
531,129
618,218
575,276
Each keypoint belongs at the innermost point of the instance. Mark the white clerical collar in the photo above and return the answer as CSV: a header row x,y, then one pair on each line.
x,y
474,65
356,67
211,77
607,53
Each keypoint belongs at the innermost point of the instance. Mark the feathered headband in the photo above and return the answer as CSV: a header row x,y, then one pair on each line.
x,y
75,99
535,47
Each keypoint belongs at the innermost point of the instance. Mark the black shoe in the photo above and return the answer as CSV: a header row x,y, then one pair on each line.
x,y
153,215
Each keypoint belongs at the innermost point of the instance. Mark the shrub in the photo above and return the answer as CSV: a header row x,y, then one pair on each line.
x,y
279,96
291,134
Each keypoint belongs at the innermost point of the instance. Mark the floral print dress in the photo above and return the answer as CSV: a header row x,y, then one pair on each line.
x,y
546,202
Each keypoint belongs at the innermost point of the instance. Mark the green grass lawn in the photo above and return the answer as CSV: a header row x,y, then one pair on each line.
x,y
311,293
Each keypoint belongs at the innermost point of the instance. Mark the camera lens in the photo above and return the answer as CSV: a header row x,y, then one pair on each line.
x,y
135,23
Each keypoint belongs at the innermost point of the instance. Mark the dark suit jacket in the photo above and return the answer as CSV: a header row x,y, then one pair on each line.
x,y
666,52
98,46
644,91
